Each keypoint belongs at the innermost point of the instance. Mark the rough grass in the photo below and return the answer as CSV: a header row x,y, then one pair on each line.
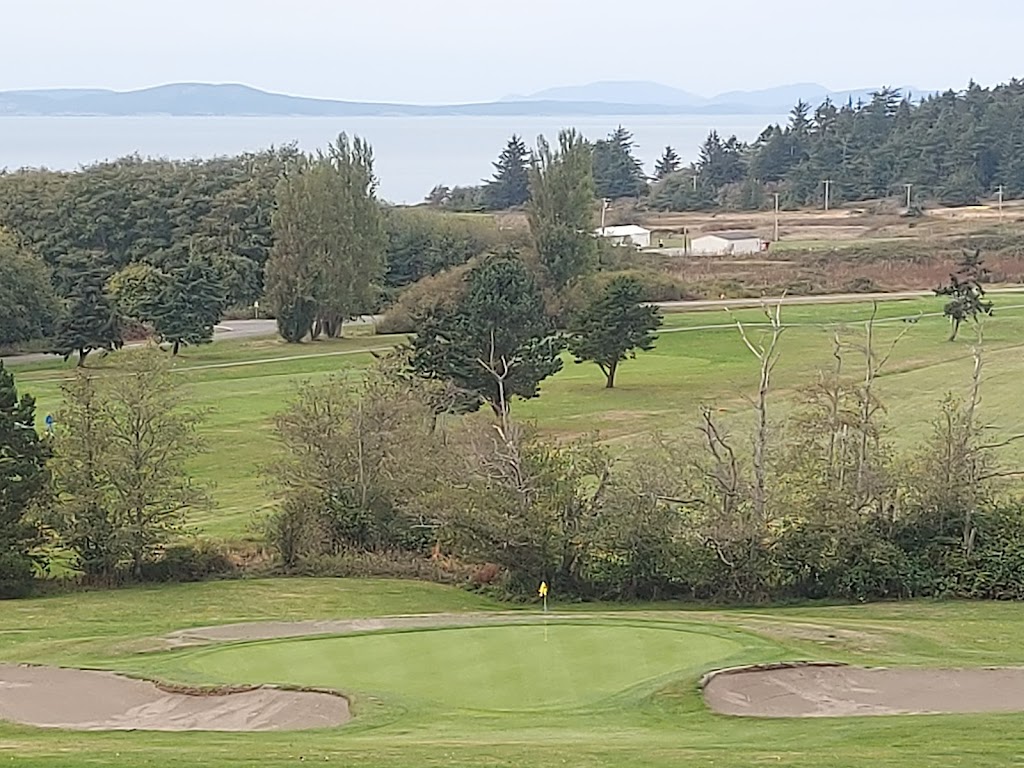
x,y
435,714
699,359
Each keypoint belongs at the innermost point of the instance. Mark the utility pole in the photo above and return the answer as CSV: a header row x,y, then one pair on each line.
x,y
776,217
909,188
694,179
1000,202
604,209
828,189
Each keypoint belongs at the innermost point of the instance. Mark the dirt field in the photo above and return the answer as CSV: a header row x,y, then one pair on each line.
x,y
839,691
51,697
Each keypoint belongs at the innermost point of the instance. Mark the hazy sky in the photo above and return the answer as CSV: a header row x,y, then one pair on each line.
x,y
432,51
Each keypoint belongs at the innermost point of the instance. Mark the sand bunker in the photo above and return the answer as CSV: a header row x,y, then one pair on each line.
x,y
275,630
50,697
816,690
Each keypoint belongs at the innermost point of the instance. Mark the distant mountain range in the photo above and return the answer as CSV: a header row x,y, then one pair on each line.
x,y
605,98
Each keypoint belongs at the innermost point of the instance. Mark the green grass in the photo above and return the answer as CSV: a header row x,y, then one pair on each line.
x,y
244,384
513,668
609,688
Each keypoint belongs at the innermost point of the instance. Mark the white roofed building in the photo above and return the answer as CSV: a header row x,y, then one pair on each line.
x,y
628,234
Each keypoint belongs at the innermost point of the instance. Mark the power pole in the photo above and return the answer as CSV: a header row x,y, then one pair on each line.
x,y
909,188
694,179
828,189
776,217
1000,202
604,209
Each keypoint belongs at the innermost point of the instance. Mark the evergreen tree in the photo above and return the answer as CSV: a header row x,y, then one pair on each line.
x,y
23,479
510,186
90,319
617,171
188,306
561,208
720,162
967,296
612,327
496,343
668,163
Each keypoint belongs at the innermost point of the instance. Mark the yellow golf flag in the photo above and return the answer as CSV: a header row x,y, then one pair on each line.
x,y
543,591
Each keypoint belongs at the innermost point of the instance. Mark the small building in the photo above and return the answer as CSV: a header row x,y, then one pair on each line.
x,y
727,243
629,234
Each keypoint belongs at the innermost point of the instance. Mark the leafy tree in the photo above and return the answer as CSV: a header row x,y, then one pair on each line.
x,y
188,305
561,208
90,319
357,467
328,254
423,243
510,186
23,481
617,171
496,342
29,304
120,465
967,296
136,289
668,163
613,327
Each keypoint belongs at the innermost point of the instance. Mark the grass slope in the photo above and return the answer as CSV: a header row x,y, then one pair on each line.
x,y
699,359
435,715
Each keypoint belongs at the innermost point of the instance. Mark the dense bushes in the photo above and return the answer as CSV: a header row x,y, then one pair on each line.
x,y
823,506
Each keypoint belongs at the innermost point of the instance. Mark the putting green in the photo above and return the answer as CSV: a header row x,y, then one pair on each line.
x,y
484,668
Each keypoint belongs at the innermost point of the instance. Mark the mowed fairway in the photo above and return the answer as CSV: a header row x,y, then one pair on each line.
x,y
699,360
610,687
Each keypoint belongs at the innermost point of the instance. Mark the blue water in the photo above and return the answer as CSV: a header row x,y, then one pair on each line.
x,y
412,153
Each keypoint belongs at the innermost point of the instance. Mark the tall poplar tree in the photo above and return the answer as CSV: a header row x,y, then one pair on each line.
x,y
328,257
561,208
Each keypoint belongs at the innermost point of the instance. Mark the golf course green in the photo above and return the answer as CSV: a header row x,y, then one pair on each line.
x,y
612,686
506,668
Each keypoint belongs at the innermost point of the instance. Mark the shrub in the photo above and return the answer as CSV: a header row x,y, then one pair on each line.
x,y
189,562
15,575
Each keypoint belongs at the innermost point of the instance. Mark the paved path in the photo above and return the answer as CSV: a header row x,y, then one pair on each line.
x,y
248,329
226,331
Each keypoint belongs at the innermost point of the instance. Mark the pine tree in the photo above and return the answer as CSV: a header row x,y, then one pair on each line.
x,y
510,186
189,305
23,479
967,296
617,171
496,343
613,327
90,319
667,163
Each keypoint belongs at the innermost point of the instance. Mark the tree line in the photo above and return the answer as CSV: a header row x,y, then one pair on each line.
x,y
955,148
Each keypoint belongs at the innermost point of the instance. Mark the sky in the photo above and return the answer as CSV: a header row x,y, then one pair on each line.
x,y
450,51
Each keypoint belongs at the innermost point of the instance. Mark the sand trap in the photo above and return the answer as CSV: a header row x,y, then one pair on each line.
x,y
839,691
275,630
51,697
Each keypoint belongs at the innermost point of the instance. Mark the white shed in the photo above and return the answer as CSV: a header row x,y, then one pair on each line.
x,y
629,234
727,243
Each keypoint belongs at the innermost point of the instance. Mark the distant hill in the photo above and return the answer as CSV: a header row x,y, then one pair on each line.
x,y
607,98
618,92
765,101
